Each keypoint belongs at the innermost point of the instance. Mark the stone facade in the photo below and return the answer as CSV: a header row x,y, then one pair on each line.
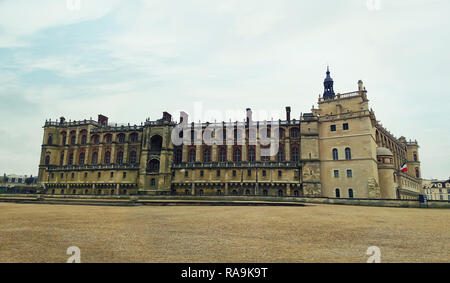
x,y
334,151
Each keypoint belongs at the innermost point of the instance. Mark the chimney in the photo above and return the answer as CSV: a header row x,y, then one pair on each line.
x,y
360,86
102,120
288,113
167,117
249,115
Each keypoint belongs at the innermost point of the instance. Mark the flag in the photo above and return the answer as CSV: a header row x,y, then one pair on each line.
x,y
404,168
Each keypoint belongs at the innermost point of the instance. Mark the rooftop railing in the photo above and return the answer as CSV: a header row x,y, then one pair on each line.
x,y
94,167
262,164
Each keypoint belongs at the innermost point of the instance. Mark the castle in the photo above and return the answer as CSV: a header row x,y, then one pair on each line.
x,y
339,150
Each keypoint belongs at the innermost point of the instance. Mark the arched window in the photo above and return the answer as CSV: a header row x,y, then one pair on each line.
x,y
234,193
178,156
350,193
237,155
201,192
247,192
251,155
153,182
121,138
107,157
415,156
156,143
72,140
192,155
295,193
348,153
280,155
338,193
50,140
280,193
71,159
207,155
294,132
417,172
335,154
81,160
83,139
153,166
134,138
64,140
294,156
222,155
187,192
120,157
94,158
96,139
47,159
219,192
108,138
265,193
133,157
61,159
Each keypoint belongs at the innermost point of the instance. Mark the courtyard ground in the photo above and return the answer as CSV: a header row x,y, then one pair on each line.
x,y
313,233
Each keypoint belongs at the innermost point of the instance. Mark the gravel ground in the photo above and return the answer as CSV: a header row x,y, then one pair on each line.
x,y
314,233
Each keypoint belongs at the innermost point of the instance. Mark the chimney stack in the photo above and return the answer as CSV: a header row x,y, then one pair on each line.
x,y
167,117
249,115
102,120
288,113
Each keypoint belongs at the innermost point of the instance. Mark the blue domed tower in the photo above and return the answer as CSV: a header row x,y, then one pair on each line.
x,y
328,85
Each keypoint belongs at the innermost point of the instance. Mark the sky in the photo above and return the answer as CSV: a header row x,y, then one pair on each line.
x,y
131,60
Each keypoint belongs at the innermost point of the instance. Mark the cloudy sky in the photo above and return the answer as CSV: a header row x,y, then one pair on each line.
x,y
131,60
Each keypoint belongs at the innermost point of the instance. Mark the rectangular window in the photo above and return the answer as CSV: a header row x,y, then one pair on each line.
x,y
62,175
264,173
249,173
333,128
234,173
124,175
201,173
186,174
279,173
73,175
349,173
218,173
345,126
85,175
99,175
336,173
112,174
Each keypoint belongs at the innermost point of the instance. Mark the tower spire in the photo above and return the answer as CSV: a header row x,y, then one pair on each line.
x,y
328,86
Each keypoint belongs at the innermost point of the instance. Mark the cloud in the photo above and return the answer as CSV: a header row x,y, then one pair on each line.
x,y
22,18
